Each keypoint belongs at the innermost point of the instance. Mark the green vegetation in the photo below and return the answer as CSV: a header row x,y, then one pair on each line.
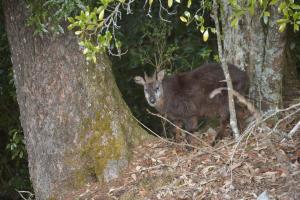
x,y
153,44
152,39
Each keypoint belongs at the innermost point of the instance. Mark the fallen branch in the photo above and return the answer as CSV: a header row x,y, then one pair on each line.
x,y
29,195
293,131
163,139
241,99
181,129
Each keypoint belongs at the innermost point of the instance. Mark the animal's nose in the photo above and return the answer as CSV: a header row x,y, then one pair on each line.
x,y
152,100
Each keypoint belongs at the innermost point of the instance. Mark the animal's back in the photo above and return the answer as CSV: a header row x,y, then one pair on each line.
x,y
187,94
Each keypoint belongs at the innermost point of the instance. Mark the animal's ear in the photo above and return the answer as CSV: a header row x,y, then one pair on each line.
x,y
161,75
146,77
139,80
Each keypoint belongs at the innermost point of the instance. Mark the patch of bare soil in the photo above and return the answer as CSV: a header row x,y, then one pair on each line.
x,y
229,170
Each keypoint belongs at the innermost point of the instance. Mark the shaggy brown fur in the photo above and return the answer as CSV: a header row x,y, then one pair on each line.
x,y
186,96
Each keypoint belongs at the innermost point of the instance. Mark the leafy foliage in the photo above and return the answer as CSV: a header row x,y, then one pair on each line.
x,y
97,28
154,40
16,145
153,44
47,15
289,8
291,14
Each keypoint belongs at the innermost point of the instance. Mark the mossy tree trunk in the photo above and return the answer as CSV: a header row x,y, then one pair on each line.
x,y
76,125
259,49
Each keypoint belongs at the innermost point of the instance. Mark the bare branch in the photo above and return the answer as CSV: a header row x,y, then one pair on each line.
x,y
233,121
29,195
181,129
241,99
293,131
163,139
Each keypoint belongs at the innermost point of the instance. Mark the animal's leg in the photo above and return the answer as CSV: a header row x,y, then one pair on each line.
x,y
177,130
224,119
242,114
190,126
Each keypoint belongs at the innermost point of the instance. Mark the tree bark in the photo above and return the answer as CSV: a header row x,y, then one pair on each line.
x,y
260,50
76,125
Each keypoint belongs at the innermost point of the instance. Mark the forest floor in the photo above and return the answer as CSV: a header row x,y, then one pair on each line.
x,y
160,169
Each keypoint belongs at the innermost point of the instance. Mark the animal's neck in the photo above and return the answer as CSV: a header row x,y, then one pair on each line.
x,y
160,105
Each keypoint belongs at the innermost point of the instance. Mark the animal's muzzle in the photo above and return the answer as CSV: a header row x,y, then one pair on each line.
x,y
152,100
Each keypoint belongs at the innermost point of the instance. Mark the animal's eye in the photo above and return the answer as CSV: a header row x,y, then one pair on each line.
x,y
157,88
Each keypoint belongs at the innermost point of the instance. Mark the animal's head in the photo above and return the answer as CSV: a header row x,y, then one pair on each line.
x,y
153,88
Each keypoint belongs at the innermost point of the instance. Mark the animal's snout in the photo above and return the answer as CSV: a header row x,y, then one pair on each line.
x,y
152,99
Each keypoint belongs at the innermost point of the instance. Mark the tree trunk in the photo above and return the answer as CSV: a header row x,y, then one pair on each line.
x,y
76,125
260,50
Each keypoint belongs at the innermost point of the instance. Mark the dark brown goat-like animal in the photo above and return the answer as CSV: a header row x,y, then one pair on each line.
x,y
185,97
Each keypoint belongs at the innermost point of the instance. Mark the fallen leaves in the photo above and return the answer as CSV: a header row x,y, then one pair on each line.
x,y
163,171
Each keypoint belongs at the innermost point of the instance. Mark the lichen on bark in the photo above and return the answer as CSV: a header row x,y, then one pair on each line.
x,y
76,125
259,49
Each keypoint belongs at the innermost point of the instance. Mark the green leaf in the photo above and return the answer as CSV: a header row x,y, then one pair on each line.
x,y
296,15
71,26
213,30
94,59
170,3
205,35
101,14
282,27
201,19
21,154
182,18
234,22
71,19
266,13
150,2
187,14
202,29
78,32
189,3
106,2
178,1
273,2
85,51
281,21
252,7
233,2
295,6
266,19
281,7
296,27
91,27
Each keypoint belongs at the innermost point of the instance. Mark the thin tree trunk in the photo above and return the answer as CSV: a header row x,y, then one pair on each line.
x,y
233,121
260,50
76,125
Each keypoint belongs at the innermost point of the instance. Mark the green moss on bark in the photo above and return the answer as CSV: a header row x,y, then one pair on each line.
x,y
106,133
